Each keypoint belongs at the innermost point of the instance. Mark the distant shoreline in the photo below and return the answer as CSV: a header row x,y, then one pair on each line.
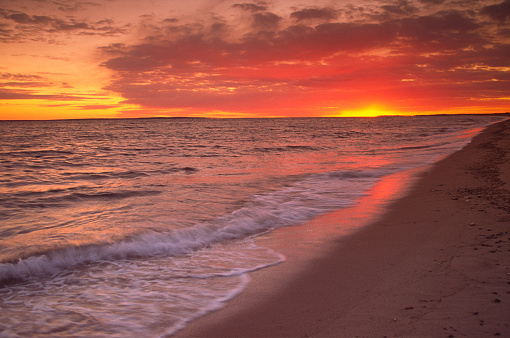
x,y
245,118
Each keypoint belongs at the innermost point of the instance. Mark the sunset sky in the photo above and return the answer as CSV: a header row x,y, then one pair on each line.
x,y
215,58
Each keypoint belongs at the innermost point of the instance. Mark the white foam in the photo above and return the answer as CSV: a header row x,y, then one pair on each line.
x,y
154,297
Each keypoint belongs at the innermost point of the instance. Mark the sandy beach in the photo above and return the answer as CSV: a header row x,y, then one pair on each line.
x,y
436,263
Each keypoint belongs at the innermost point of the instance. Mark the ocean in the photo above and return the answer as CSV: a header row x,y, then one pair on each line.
x,y
133,227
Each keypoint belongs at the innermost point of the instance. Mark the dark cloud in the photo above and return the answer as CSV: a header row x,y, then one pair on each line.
x,y
432,2
219,28
249,7
20,77
499,12
60,25
24,84
444,31
114,48
33,27
402,7
352,36
199,52
310,14
190,52
266,21
74,6
21,94
24,18
179,30
23,80
134,64
171,20
4,30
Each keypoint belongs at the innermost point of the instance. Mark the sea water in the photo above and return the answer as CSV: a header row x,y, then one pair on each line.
x,y
136,227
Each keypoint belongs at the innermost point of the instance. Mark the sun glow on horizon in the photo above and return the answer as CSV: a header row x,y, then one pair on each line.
x,y
369,111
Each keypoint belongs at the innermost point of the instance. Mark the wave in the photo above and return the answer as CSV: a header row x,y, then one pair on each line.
x,y
285,148
31,199
351,134
145,245
36,153
291,205
428,146
105,175
186,170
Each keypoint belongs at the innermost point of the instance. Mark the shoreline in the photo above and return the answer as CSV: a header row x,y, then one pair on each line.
x,y
436,263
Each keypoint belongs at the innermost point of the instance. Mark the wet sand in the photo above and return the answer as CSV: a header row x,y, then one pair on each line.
x,y
437,263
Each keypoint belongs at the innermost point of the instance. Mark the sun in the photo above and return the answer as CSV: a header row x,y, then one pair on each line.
x,y
368,111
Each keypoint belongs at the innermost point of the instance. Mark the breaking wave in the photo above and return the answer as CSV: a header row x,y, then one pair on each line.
x,y
291,205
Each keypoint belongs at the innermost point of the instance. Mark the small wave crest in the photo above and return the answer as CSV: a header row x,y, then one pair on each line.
x,y
287,148
105,175
37,153
62,197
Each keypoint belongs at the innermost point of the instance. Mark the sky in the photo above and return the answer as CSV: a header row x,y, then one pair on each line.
x,y
225,58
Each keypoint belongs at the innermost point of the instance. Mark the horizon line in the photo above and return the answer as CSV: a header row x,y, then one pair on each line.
x,y
246,118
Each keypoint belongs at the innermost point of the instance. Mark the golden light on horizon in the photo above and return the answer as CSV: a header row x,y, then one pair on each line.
x,y
370,111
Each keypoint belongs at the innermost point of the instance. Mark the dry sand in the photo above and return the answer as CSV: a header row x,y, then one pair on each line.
x,y
437,263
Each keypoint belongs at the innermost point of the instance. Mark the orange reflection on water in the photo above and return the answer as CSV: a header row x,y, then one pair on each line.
x,y
318,237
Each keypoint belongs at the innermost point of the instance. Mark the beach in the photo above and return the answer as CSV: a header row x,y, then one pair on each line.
x,y
436,263
269,220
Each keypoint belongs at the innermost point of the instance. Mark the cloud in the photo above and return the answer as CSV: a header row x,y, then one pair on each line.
x,y
19,26
98,106
310,55
171,20
249,7
444,31
500,12
24,84
22,80
311,14
432,2
74,6
199,50
16,94
18,86
20,77
24,18
266,21
401,8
